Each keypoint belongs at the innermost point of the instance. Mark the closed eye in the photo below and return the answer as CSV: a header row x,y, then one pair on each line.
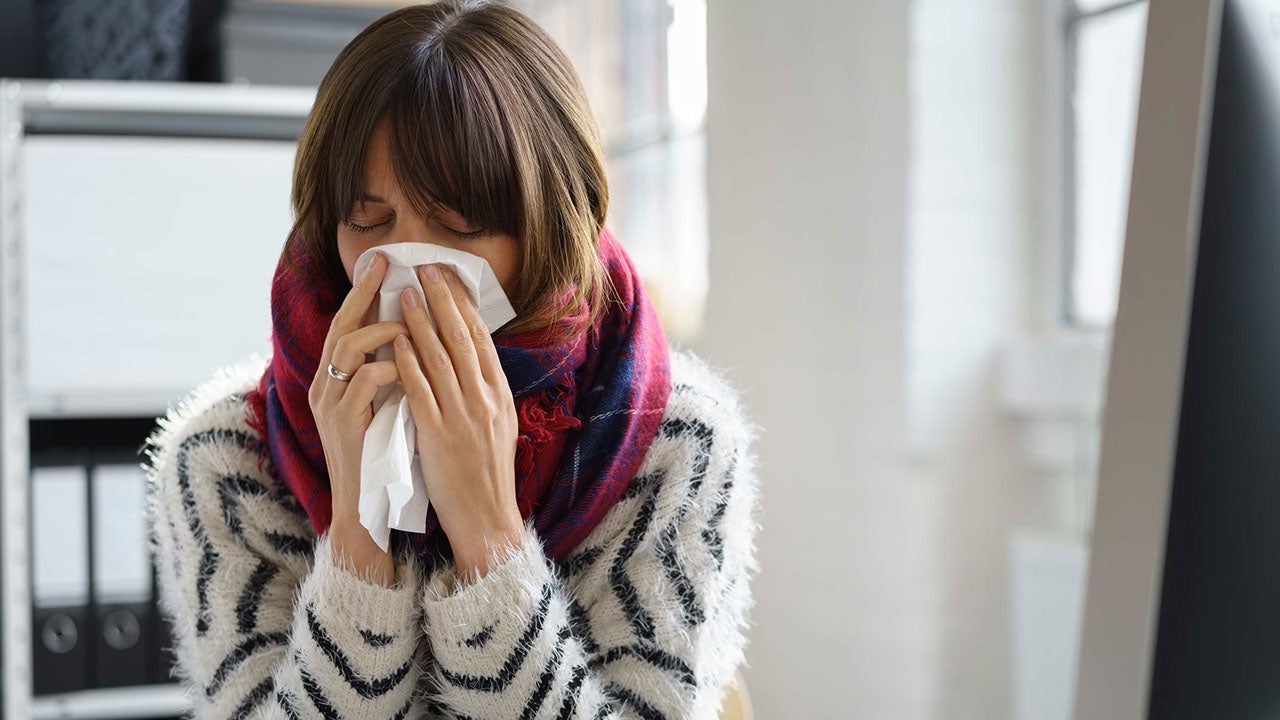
x,y
464,234
358,228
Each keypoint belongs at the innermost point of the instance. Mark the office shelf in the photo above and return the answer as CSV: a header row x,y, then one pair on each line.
x,y
143,701
60,143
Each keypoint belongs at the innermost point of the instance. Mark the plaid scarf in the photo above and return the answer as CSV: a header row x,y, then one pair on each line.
x,y
588,407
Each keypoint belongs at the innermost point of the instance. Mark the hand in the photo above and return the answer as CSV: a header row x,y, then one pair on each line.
x,y
466,419
343,410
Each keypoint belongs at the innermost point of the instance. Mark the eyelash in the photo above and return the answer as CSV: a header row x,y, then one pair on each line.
x,y
466,235
360,228
457,233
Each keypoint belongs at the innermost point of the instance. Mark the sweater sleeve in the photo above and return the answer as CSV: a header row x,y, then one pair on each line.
x,y
646,619
266,622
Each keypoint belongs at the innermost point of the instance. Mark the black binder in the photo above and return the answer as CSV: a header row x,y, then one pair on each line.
x,y
96,622
122,588
61,621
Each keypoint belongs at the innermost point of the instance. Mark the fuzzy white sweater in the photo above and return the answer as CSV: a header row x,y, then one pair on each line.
x,y
645,619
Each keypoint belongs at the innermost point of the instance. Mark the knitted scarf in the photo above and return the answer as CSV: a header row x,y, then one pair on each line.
x,y
588,407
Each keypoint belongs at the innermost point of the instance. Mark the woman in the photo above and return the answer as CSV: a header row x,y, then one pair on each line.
x,y
590,542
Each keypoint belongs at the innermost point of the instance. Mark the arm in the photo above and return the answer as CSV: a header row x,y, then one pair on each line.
x,y
644,620
267,623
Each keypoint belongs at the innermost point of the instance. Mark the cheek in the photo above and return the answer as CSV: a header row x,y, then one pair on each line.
x,y
506,263
349,248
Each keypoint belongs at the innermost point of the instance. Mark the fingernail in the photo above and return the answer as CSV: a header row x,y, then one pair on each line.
x,y
371,266
402,342
433,273
410,297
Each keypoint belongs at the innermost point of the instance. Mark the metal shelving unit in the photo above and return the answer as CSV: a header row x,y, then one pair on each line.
x,y
123,703
92,108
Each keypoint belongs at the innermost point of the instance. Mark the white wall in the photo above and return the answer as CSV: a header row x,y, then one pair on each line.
x,y
878,183
975,225
807,160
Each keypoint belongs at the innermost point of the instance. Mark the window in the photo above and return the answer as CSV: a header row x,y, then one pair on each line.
x,y
1104,46
643,63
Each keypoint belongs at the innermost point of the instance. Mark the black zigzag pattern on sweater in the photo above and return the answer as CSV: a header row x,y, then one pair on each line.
x,y
497,683
290,544
668,556
287,703
575,564
570,703
645,648
479,639
251,595
230,487
237,656
318,698
254,698
582,626
367,689
373,639
649,653
632,700
620,582
645,489
208,555
662,520
548,675
322,702
666,542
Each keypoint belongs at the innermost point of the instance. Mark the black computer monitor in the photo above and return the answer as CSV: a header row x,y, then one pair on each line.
x,y
1182,610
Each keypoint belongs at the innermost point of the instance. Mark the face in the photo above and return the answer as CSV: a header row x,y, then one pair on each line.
x,y
385,216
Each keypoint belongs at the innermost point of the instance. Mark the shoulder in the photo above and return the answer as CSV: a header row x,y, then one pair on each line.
x,y
706,429
705,449
697,484
204,470
209,423
702,396
212,412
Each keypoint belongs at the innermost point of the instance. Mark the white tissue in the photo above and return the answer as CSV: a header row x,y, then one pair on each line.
x,y
392,491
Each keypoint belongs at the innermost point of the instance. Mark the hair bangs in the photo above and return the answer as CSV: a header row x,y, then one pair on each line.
x,y
449,145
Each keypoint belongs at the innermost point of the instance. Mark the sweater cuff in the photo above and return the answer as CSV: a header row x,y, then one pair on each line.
x,y
511,589
381,609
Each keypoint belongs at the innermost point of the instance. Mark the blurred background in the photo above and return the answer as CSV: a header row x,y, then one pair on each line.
x,y
920,203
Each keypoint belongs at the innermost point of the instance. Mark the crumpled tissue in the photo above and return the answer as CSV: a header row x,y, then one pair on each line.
x,y
392,491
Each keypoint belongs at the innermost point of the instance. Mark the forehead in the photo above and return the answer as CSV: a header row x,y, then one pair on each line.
x,y
380,179
378,171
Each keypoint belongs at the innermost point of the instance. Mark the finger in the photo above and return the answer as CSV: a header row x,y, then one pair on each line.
x,y
364,385
350,350
486,353
422,398
354,307
443,295
437,366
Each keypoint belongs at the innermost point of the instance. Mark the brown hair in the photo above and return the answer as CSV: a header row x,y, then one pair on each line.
x,y
485,116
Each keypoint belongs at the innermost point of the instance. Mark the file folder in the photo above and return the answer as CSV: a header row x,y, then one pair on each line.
x,y
122,609
60,578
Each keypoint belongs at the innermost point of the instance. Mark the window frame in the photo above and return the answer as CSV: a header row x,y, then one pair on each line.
x,y
1072,19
